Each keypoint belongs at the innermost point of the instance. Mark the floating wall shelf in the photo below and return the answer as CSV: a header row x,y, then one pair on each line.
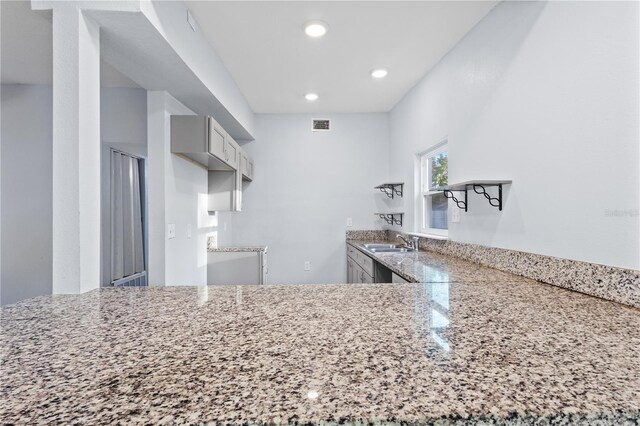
x,y
391,218
479,187
391,188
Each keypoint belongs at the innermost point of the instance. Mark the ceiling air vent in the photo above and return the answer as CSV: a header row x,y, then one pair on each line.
x,y
321,125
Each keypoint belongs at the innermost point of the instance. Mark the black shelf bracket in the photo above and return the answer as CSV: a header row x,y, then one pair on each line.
x,y
391,218
461,204
391,189
479,187
493,201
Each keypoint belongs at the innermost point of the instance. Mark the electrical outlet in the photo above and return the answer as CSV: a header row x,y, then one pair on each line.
x,y
349,221
307,265
189,231
455,215
171,231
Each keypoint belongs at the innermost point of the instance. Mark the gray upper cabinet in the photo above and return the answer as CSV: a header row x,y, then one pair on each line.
x,y
246,165
231,152
204,141
217,137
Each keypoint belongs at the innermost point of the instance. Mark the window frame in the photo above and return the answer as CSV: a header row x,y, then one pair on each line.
x,y
422,209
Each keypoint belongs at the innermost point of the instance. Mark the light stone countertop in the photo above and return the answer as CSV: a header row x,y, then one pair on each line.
x,y
238,249
458,352
429,267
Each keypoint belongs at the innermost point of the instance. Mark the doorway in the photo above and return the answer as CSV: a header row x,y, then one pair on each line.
x,y
127,220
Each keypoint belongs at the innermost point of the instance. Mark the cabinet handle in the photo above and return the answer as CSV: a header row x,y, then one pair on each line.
x,y
362,276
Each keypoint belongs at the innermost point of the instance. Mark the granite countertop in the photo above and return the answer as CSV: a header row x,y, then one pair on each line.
x,y
238,249
463,352
429,267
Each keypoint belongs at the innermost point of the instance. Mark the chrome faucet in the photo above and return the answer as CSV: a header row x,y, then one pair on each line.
x,y
411,243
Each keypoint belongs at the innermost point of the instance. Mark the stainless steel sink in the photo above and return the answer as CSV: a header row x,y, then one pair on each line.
x,y
386,248
391,250
377,246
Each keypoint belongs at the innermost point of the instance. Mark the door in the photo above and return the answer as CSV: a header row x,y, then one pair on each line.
x,y
127,247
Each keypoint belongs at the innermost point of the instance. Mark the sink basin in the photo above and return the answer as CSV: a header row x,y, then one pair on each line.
x,y
386,248
379,246
390,249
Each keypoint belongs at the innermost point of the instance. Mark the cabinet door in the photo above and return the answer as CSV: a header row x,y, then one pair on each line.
x,y
366,278
231,151
353,273
360,274
216,139
250,170
246,165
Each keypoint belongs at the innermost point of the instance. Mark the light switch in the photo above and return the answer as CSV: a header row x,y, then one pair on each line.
x,y
349,221
171,231
307,265
189,231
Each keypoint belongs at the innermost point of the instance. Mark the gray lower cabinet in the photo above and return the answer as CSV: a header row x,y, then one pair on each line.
x,y
361,268
236,267
351,273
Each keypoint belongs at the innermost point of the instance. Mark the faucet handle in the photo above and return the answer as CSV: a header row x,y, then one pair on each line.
x,y
415,242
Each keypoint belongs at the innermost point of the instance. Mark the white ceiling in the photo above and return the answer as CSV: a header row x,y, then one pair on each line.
x,y
27,48
274,63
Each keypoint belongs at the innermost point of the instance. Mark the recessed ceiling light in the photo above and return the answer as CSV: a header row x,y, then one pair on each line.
x,y
315,28
311,96
379,73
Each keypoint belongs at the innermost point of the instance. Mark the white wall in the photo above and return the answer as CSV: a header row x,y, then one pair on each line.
x,y
26,227
26,178
545,94
177,195
170,19
123,115
305,186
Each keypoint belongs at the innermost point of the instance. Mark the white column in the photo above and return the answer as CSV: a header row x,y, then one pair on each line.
x,y
157,150
76,150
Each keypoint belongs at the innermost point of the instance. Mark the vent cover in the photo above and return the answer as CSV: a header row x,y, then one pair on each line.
x,y
321,125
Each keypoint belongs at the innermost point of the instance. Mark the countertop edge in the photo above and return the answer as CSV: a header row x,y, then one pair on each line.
x,y
239,249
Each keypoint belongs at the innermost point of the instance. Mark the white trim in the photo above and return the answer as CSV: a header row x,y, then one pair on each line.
x,y
436,147
420,212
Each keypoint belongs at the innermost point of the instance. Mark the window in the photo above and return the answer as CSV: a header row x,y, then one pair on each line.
x,y
433,205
